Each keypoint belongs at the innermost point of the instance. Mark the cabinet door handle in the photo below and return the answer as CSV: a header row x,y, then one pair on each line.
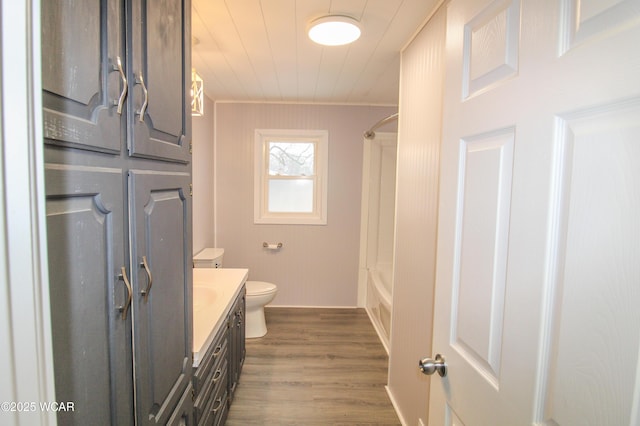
x,y
125,308
145,265
143,108
125,85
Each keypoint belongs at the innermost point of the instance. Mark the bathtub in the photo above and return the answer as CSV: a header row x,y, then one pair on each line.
x,y
379,284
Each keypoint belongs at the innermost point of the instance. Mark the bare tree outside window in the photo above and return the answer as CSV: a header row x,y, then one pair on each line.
x,y
291,176
291,158
291,167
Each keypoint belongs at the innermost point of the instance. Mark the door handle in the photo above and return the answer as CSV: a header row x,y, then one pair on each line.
x,y
145,92
145,265
429,366
125,307
123,94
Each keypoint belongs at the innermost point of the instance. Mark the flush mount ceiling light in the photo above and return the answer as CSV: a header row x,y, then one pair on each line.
x,y
334,30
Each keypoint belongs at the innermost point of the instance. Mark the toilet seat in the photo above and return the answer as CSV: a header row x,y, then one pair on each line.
x,y
258,288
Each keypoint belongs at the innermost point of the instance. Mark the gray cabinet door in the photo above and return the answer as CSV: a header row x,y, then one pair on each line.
x,y
161,80
160,216
81,80
96,55
91,336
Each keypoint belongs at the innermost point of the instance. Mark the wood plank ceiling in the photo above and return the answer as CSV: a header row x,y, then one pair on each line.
x,y
258,50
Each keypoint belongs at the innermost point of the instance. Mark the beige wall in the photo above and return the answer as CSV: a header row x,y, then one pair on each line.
x,y
203,171
318,265
419,127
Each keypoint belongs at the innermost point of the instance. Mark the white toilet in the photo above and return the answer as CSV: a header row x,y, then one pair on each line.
x,y
259,293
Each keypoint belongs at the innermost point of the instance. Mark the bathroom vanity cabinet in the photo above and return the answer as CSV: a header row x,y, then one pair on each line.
x,y
210,381
217,374
236,342
116,116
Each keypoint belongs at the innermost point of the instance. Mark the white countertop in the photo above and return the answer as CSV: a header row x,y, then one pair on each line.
x,y
214,291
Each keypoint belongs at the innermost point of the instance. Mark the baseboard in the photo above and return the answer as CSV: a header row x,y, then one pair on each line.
x,y
376,327
395,406
312,307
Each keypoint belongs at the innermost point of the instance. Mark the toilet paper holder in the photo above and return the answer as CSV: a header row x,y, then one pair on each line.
x,y
272,246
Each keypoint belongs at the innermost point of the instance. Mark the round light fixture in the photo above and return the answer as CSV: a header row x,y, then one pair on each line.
x,y
334,30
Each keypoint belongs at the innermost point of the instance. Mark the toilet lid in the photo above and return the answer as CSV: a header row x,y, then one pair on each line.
x,y
260,287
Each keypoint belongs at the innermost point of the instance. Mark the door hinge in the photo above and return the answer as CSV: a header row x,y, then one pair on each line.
x,y
191,189
190,147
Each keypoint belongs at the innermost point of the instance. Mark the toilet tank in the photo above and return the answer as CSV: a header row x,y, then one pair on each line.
x,y
209,258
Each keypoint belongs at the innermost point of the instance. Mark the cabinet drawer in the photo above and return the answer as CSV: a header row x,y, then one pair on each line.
x,y
219,407
183,413
210,392
217,351
221,417
217,410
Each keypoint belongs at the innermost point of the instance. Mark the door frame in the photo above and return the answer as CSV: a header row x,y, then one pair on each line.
x,y
24,298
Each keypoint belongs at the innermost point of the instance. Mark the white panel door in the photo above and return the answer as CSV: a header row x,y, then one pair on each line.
x,y
538,282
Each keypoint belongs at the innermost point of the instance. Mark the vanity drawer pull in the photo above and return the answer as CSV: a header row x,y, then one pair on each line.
x,y
217,404
217,350
216,375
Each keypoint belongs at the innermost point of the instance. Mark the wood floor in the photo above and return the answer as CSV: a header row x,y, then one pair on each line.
x,y
314,367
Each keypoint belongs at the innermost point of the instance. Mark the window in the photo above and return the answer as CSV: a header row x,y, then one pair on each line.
x,y
291,176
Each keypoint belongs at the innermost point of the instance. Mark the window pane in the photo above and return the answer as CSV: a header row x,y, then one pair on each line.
x,y
291,195
291,158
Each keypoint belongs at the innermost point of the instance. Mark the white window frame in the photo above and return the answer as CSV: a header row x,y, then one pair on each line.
x,y
261,213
